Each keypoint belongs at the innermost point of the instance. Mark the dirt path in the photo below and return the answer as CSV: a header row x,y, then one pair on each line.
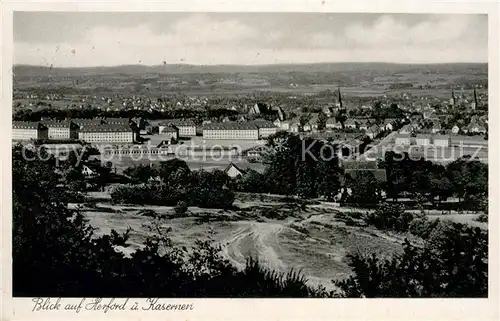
x,y
260,240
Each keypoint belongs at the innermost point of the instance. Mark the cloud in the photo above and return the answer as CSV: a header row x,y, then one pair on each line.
x,y
389,31
200,29
204,39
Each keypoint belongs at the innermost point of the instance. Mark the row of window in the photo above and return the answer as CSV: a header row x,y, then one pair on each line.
x,y
27,134
111,137
226,131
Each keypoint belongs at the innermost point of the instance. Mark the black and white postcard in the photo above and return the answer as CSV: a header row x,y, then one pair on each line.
x,y
160,156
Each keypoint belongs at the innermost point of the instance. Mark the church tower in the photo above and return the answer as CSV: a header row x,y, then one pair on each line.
x,y
341,106
474,101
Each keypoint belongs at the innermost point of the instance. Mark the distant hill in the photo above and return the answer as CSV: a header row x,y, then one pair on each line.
x,y
41,71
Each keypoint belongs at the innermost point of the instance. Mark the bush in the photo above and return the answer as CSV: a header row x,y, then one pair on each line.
x,y
423,227
181,208
390,217
350,222
357,215
273,213
483,218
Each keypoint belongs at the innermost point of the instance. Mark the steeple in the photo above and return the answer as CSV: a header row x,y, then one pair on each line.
x,y
474,100
453,100
340,99
475,97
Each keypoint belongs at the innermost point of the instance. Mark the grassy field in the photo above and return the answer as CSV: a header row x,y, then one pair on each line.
x,y
311,240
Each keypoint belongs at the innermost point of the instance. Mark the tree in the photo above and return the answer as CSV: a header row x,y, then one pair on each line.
x,y
365,190
251,181
103,174
341,117
209,190
174,172
322,118
181,208
284,152
305,178
328,179
304,119
469,180
141,173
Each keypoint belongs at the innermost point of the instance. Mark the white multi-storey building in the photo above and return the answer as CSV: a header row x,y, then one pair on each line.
x,y
266,128
107,133
231,130
170,132
186,127
22,130
61,129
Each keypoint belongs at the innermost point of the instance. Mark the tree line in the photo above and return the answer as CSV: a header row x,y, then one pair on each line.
x,y
89,113
317,173
424,181
171,182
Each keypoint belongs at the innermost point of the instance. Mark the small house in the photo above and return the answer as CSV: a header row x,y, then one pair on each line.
x,y
331,123
373,131
294,127
389,124
86,171
350,123
406,129
233,171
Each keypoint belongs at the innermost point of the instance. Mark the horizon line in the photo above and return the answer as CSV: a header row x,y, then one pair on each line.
x,y
258,65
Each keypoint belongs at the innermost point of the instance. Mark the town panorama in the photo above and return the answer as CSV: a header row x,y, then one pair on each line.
x,y
341,179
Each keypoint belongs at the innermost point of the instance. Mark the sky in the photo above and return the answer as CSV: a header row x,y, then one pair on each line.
x,y
84,39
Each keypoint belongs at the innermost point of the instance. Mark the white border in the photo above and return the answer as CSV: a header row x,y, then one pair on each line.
x,y
264,309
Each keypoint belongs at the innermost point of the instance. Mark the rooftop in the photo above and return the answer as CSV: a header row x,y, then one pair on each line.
x,y
403,136
57,123
262,123
120,120
27,125
178,122
170,129
244,167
